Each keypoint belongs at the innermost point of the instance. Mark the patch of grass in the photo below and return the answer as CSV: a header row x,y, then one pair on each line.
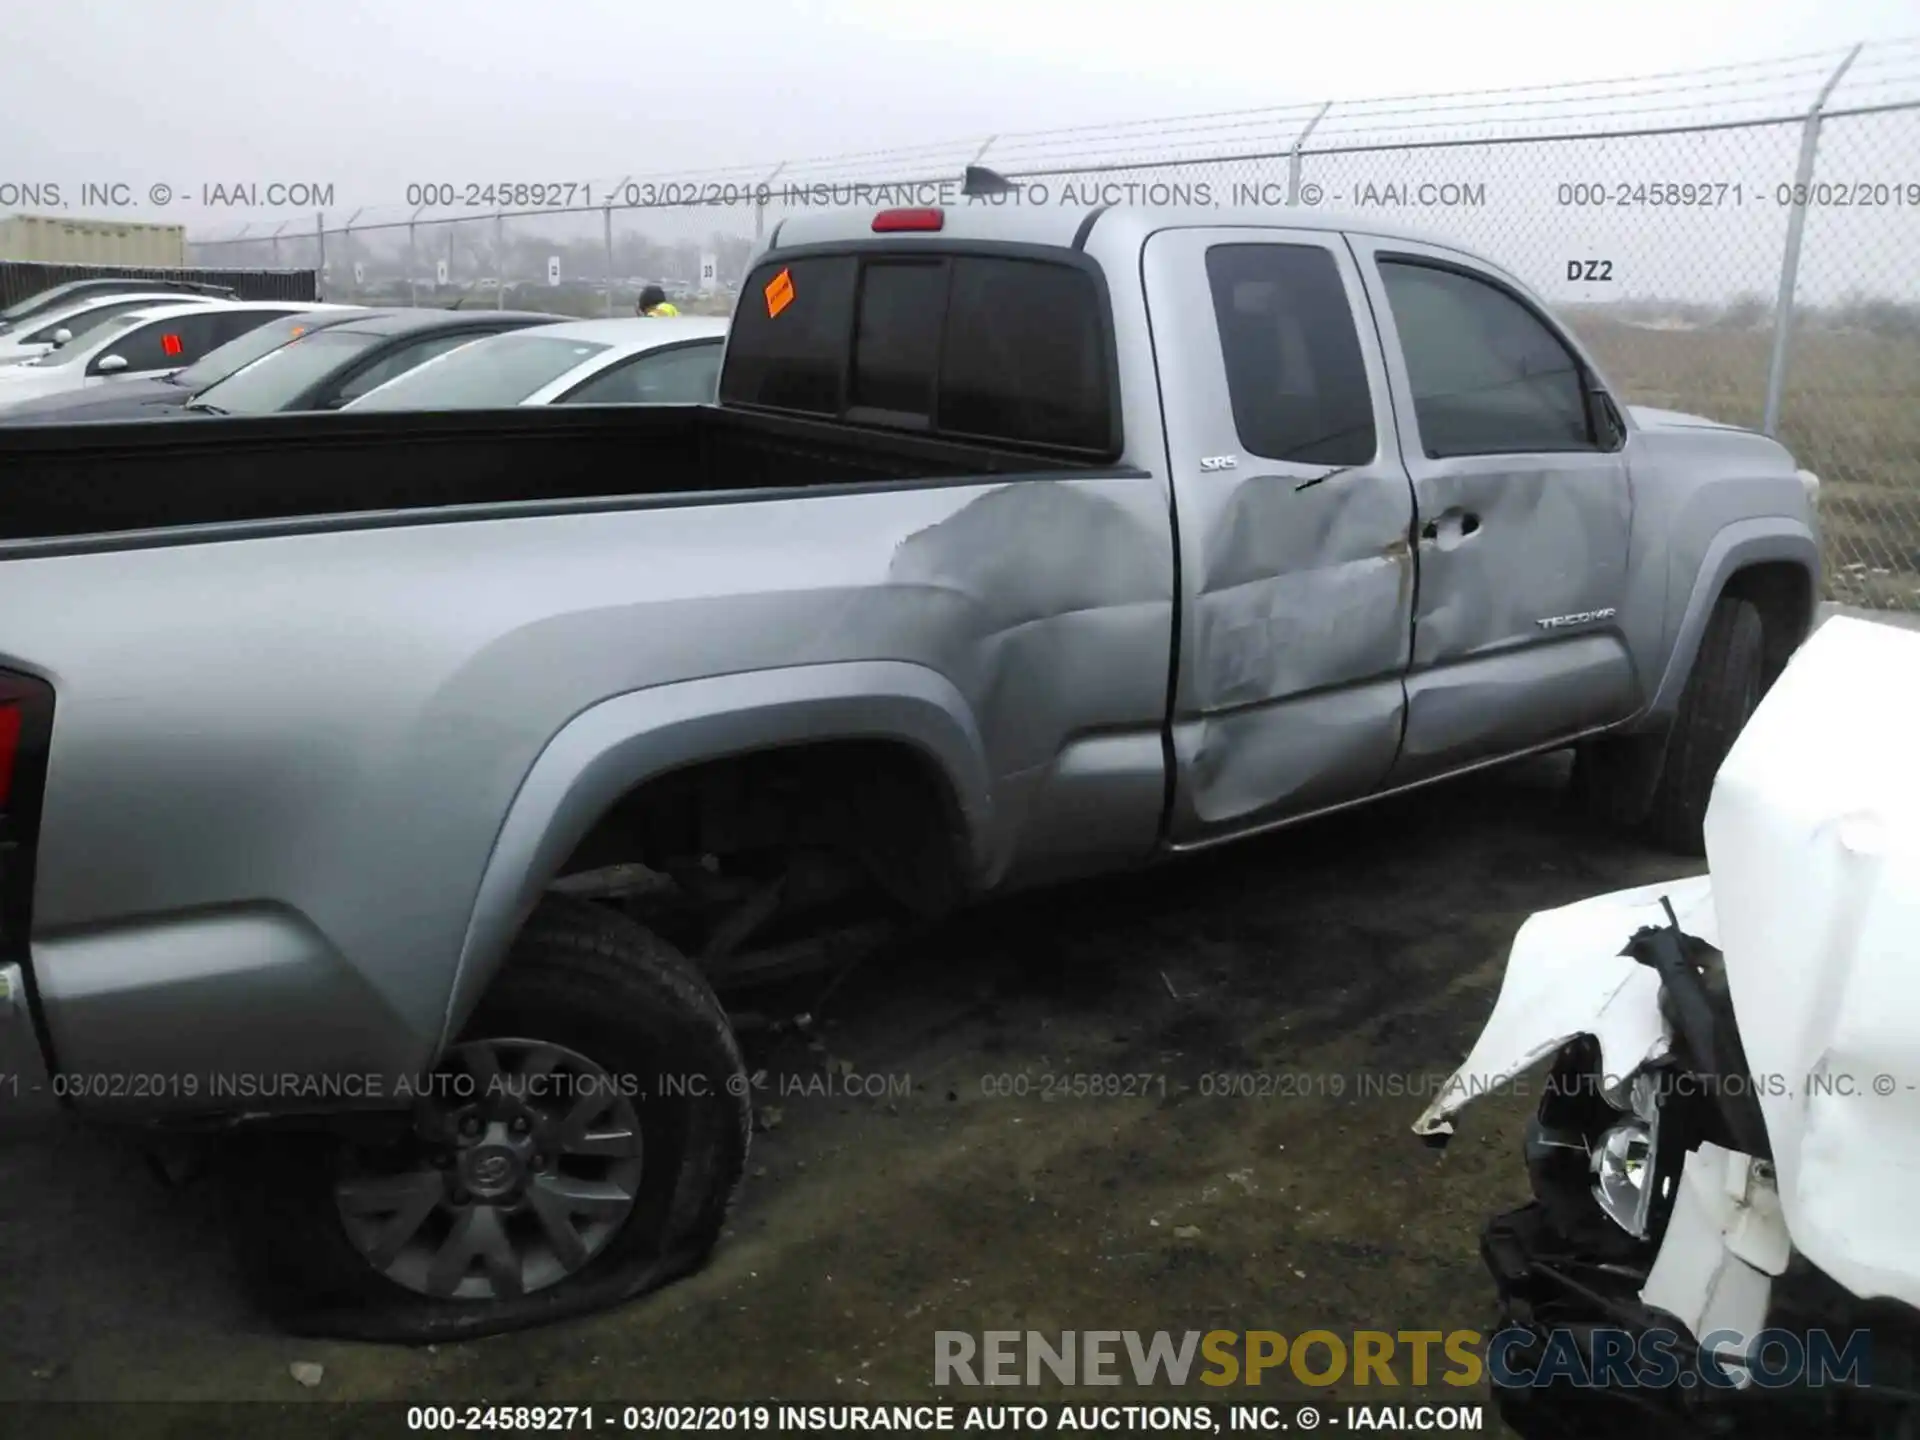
x,y
1850,413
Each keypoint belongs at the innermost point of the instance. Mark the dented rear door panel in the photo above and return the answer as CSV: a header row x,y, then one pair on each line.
x,y
1297,589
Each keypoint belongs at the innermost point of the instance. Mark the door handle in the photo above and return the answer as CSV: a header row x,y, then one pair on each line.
x,y
1455,526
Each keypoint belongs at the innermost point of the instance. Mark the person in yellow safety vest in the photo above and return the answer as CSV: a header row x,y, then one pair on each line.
x,y
653,303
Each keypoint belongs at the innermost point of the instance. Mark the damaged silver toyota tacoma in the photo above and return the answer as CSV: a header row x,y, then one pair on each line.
x,y
393,793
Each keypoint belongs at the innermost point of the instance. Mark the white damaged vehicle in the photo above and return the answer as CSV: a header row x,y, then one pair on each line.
x,y
1727,1148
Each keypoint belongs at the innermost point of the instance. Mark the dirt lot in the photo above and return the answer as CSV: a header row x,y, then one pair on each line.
x,y
1360,953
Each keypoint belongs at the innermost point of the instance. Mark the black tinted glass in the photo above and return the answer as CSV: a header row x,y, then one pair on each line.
x,y
895,348
1295,377
1023,357
1488,377
790,335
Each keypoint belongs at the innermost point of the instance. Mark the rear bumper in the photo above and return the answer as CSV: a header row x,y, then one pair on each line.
x,y
26,1087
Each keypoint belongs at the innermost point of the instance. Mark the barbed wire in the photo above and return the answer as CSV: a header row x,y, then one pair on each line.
x,y
1769,91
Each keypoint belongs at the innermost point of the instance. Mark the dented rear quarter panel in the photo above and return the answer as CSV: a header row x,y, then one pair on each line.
x,y
280,764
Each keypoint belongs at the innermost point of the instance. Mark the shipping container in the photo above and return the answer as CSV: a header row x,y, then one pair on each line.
x,y
63,240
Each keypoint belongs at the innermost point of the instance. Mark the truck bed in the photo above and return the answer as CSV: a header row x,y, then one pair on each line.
x,y
148,481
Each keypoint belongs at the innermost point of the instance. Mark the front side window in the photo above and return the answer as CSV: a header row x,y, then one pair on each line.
x,y
1295,376
103,333
160,345
1488,376
236,352
497,371
279,378
684,375
82,321
398,362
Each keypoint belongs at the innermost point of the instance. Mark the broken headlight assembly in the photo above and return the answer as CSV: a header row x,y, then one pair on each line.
x,y
1626,1159
1602,1155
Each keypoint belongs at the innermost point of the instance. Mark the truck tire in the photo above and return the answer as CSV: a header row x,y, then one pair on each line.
x,y
1722,691
620,1102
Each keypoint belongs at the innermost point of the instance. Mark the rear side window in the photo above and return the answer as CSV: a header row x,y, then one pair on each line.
x,y
1295,377
1001,350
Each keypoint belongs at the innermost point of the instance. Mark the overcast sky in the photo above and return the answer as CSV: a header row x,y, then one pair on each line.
x,y
373,94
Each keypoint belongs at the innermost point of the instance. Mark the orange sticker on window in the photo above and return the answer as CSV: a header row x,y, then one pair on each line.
x,y
779,293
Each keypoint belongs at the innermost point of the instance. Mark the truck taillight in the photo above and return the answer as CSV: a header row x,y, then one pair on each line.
x,y
9,748
26,718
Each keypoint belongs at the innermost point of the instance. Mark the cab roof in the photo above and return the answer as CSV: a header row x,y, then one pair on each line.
x,y
1104,231
1033,224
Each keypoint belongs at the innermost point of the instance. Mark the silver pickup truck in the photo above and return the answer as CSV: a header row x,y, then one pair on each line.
x,y
393,793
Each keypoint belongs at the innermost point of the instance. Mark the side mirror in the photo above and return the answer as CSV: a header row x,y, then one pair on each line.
x,y
110,364
61,336
1606,415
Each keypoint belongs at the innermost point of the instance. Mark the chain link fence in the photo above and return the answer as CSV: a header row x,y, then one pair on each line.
x,y
1742,243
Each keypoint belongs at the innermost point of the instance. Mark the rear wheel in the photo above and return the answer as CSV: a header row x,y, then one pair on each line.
x,y
580,1145
1723,690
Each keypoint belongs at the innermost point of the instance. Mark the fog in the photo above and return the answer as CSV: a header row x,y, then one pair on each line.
x,y
211,104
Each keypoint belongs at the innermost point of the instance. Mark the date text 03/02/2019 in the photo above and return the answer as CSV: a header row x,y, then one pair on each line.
x,y
1065,1418
1731,194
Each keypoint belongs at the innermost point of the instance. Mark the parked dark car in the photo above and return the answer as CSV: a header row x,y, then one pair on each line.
x,y
325,370
165,395
42,301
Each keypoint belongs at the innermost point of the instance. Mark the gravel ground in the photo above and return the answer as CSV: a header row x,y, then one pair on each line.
x,y
1346,960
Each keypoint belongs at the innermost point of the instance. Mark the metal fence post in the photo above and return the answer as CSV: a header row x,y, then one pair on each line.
x,y
1293,156
760,204
1790,257
320,246
500,262
606,236
346,251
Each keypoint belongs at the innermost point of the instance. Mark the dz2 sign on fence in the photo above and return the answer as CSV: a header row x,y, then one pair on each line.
x,y
439,272
359,273
553,269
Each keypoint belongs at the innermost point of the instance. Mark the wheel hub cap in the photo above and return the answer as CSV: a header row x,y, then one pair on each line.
x,y
521,1170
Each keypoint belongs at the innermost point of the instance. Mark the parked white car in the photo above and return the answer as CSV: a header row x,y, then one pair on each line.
x,y
587,362
150,342
1726,1145
62,326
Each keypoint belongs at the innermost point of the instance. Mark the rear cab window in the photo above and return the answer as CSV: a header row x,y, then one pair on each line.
x,y
1012,350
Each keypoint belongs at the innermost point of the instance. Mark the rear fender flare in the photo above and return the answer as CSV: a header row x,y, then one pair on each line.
x,y
612,746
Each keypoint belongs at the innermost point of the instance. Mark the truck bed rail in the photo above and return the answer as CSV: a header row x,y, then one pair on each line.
x,y
141,480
